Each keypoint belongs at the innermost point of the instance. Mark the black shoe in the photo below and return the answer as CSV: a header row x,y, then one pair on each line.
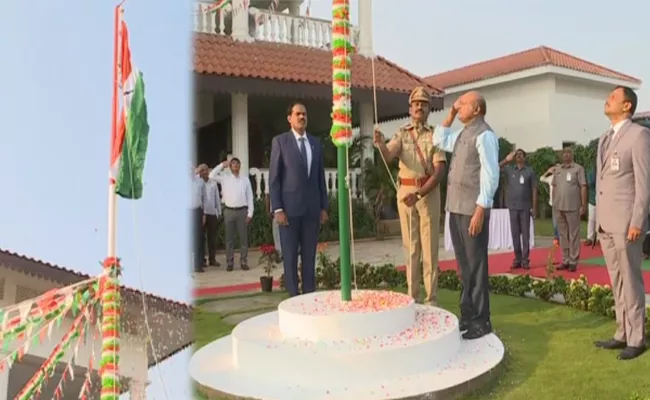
x,y
588,242
229,268
562,266
629,352
214,263
610,344
573,268
477,331
525,266
244,267
463,326
516,265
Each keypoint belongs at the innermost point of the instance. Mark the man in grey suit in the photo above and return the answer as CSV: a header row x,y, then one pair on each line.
x,y
298,198
623,190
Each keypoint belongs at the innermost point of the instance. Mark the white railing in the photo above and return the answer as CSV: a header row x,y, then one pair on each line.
x,y
270,26
261,178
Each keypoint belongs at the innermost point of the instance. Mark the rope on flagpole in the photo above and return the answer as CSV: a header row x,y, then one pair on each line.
x,y
149,339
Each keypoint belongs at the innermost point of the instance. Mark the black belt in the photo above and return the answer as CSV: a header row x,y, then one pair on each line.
x,y
235,208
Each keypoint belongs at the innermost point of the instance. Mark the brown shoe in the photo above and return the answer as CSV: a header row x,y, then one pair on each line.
x,y
244,267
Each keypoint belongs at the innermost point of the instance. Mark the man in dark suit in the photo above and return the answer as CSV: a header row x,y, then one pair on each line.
x,y
298,198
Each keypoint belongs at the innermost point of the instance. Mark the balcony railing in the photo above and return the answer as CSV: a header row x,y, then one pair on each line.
x,y
261,179
269,26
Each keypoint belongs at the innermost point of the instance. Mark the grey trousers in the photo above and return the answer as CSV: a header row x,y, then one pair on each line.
x,y
568,226
472,258
520,229
624,266
235,222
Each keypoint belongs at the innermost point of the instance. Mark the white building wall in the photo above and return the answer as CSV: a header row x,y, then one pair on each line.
x,y
577,110
518,111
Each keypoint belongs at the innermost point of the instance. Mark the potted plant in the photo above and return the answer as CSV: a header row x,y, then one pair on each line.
x,y
269,259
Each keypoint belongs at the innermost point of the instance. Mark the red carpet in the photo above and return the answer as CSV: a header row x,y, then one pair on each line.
x,y
498,264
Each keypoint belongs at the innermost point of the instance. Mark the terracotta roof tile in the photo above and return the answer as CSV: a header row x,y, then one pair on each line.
x,y
533,58
221,55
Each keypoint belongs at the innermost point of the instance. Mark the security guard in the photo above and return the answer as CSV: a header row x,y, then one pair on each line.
x,y
421,169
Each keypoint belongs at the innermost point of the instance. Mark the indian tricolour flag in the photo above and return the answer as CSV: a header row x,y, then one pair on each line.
x,y
129,145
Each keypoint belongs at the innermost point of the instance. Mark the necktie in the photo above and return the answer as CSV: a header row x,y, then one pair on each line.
x,y
606,142
303,152
204,195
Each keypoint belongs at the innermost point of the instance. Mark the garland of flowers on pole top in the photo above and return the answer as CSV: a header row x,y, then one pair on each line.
x,y
71,340
341,131
110,327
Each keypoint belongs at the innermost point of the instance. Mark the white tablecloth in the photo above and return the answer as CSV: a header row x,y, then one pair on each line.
x,y
500,236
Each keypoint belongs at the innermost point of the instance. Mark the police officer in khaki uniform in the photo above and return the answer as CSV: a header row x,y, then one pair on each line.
x,y
421,168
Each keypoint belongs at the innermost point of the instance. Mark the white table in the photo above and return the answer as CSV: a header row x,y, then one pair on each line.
x,y
500,234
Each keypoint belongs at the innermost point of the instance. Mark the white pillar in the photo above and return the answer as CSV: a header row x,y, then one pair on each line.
x,y
294,8
366,127
138,389
240,20
4,380
365,29
239,117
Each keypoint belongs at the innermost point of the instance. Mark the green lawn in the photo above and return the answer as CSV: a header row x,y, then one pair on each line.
x,y
544,227
549,352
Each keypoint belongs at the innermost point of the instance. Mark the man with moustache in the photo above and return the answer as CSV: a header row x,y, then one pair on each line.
x,y
569,204
521,200
472,182
623,198
298,198
421,168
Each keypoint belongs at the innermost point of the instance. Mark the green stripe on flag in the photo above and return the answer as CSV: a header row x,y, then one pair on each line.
x,y
134,151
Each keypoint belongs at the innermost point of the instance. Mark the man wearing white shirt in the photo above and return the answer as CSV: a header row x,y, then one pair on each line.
x,y
238,209
211,213
196,206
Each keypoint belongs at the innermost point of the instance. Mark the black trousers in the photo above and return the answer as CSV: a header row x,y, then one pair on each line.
x,y
198,239
472,258
210,234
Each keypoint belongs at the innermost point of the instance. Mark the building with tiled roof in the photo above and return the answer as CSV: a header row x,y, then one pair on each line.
x,y
251,63
23,279
538,97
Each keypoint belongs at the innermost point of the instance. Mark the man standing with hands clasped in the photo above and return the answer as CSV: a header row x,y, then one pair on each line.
x,y
472,182
623,198
569,204
298,198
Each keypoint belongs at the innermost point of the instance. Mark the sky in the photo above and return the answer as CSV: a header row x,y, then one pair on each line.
x,y
54,152
431,36
56,80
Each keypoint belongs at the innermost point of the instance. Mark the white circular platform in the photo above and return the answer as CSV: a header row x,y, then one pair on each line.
x,y
378,346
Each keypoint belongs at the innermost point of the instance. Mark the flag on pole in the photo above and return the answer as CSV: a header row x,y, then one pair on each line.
x,y
130,140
